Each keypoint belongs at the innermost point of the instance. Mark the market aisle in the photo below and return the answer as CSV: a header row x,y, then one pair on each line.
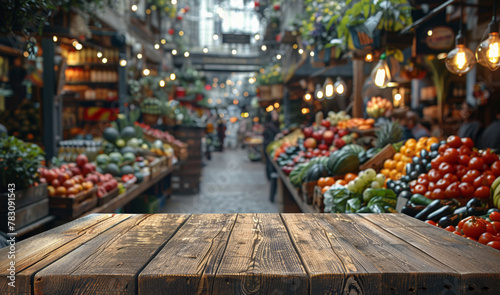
x,y
230,184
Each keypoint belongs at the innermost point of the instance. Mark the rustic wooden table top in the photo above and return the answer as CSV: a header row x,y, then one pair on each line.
x,y
250,254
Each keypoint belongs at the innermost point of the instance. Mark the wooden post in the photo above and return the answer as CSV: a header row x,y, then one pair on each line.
x,y
357,85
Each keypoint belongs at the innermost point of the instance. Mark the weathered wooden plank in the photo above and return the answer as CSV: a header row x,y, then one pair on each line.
x,y
389,220
110,263
404,268
478,272
35,253
330,267
187,264
260,259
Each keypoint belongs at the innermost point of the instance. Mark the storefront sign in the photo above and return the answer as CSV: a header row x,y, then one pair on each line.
x,y
440,38
236,38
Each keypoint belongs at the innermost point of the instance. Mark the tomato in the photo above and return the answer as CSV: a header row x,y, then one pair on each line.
x,y
463,160
461,223
431,186
476,163
495,216
472,239
446,168
442,148
423,181
496,225
454,141
466,190
483,192
491,229
434,175
413,183
450,228
490,179
436,162
461,171
475,173
467,142
495,168
489,157
457,233
423,176
480,181
419,189
452,191
451,155
485,238
442,184
438,194
494,244
464,150
450,177
474,227
431,222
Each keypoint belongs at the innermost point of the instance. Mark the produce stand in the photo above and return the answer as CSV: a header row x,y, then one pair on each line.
x,y
292,201
228,253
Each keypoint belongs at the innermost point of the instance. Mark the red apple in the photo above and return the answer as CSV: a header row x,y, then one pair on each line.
x,y
50,175
328,137
88,168
323,147
343,132
55,183
308,131
68,183
75,171
339,143
81,160
318,135
325,123
310,143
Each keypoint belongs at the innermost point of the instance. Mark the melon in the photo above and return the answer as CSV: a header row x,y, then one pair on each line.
x,y
128,133
111,134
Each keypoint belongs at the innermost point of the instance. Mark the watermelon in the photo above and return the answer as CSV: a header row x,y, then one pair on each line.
x,y
111,134
128,133
116,158
102,160
128,158
112,169
127,169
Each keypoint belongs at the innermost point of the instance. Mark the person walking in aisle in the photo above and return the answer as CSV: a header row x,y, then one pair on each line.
x,y
271,128
221,133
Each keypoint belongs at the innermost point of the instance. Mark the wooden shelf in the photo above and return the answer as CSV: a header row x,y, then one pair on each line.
x,y
95,64
89,83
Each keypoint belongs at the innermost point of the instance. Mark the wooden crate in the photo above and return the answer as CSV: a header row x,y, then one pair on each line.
x,y
26,215
24,197
108,197
308,191
157,165
73,207
318,200
377,161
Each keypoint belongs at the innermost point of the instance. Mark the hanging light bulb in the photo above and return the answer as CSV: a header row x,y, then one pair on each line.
x,y
340,86
369,57
488,51
319,92
329,89
461,59
307,97
380,74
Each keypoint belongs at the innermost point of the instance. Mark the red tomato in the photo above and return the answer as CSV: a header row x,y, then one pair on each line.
x,y
423,176
436,162
454,141
461,171
419,189
446,168
457,233
467,142
461,223
463,160
450,228
438,194
480,181
431,222
472,239
476,163
431,186
489,157
451,155
466,190
442,148
483,192
450,177
434,175
413,183
490,179
452,191
494,244
495,216
485,238
468,178
496,225
428,194
423,181
474,227
442,184
495,168
464,150
491,229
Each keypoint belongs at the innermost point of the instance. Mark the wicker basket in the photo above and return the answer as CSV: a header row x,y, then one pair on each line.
x,y
150,119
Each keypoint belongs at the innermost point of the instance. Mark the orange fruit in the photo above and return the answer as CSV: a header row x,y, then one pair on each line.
x,y
387,163
350,176
329,181
410,152
400,166
402,150
385,171
397,156
392,174
324,189
411,141
322,181
398,175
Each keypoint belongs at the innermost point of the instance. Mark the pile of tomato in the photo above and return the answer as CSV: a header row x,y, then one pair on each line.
x,y
478,229
459,172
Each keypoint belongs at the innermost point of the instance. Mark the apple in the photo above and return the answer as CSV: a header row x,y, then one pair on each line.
x,y
318,135
339,143
308,132
310,143
88,168
72,190
81,160
343,132
328,137
78,187
75,171
68,183
334,129
325,123
61,191
92,178
50,175
55,183
323,146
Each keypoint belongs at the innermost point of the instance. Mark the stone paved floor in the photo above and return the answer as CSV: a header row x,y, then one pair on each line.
x,y
231,183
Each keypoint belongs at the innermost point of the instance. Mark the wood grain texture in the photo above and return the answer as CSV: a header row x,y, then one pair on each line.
x,y
477,265
39,251
260,259
404,268
330,267
187,264
110,263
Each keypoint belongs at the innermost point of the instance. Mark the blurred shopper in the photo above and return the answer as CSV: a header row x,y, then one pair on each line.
x,y
271,128
413,124
471,127
221,133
